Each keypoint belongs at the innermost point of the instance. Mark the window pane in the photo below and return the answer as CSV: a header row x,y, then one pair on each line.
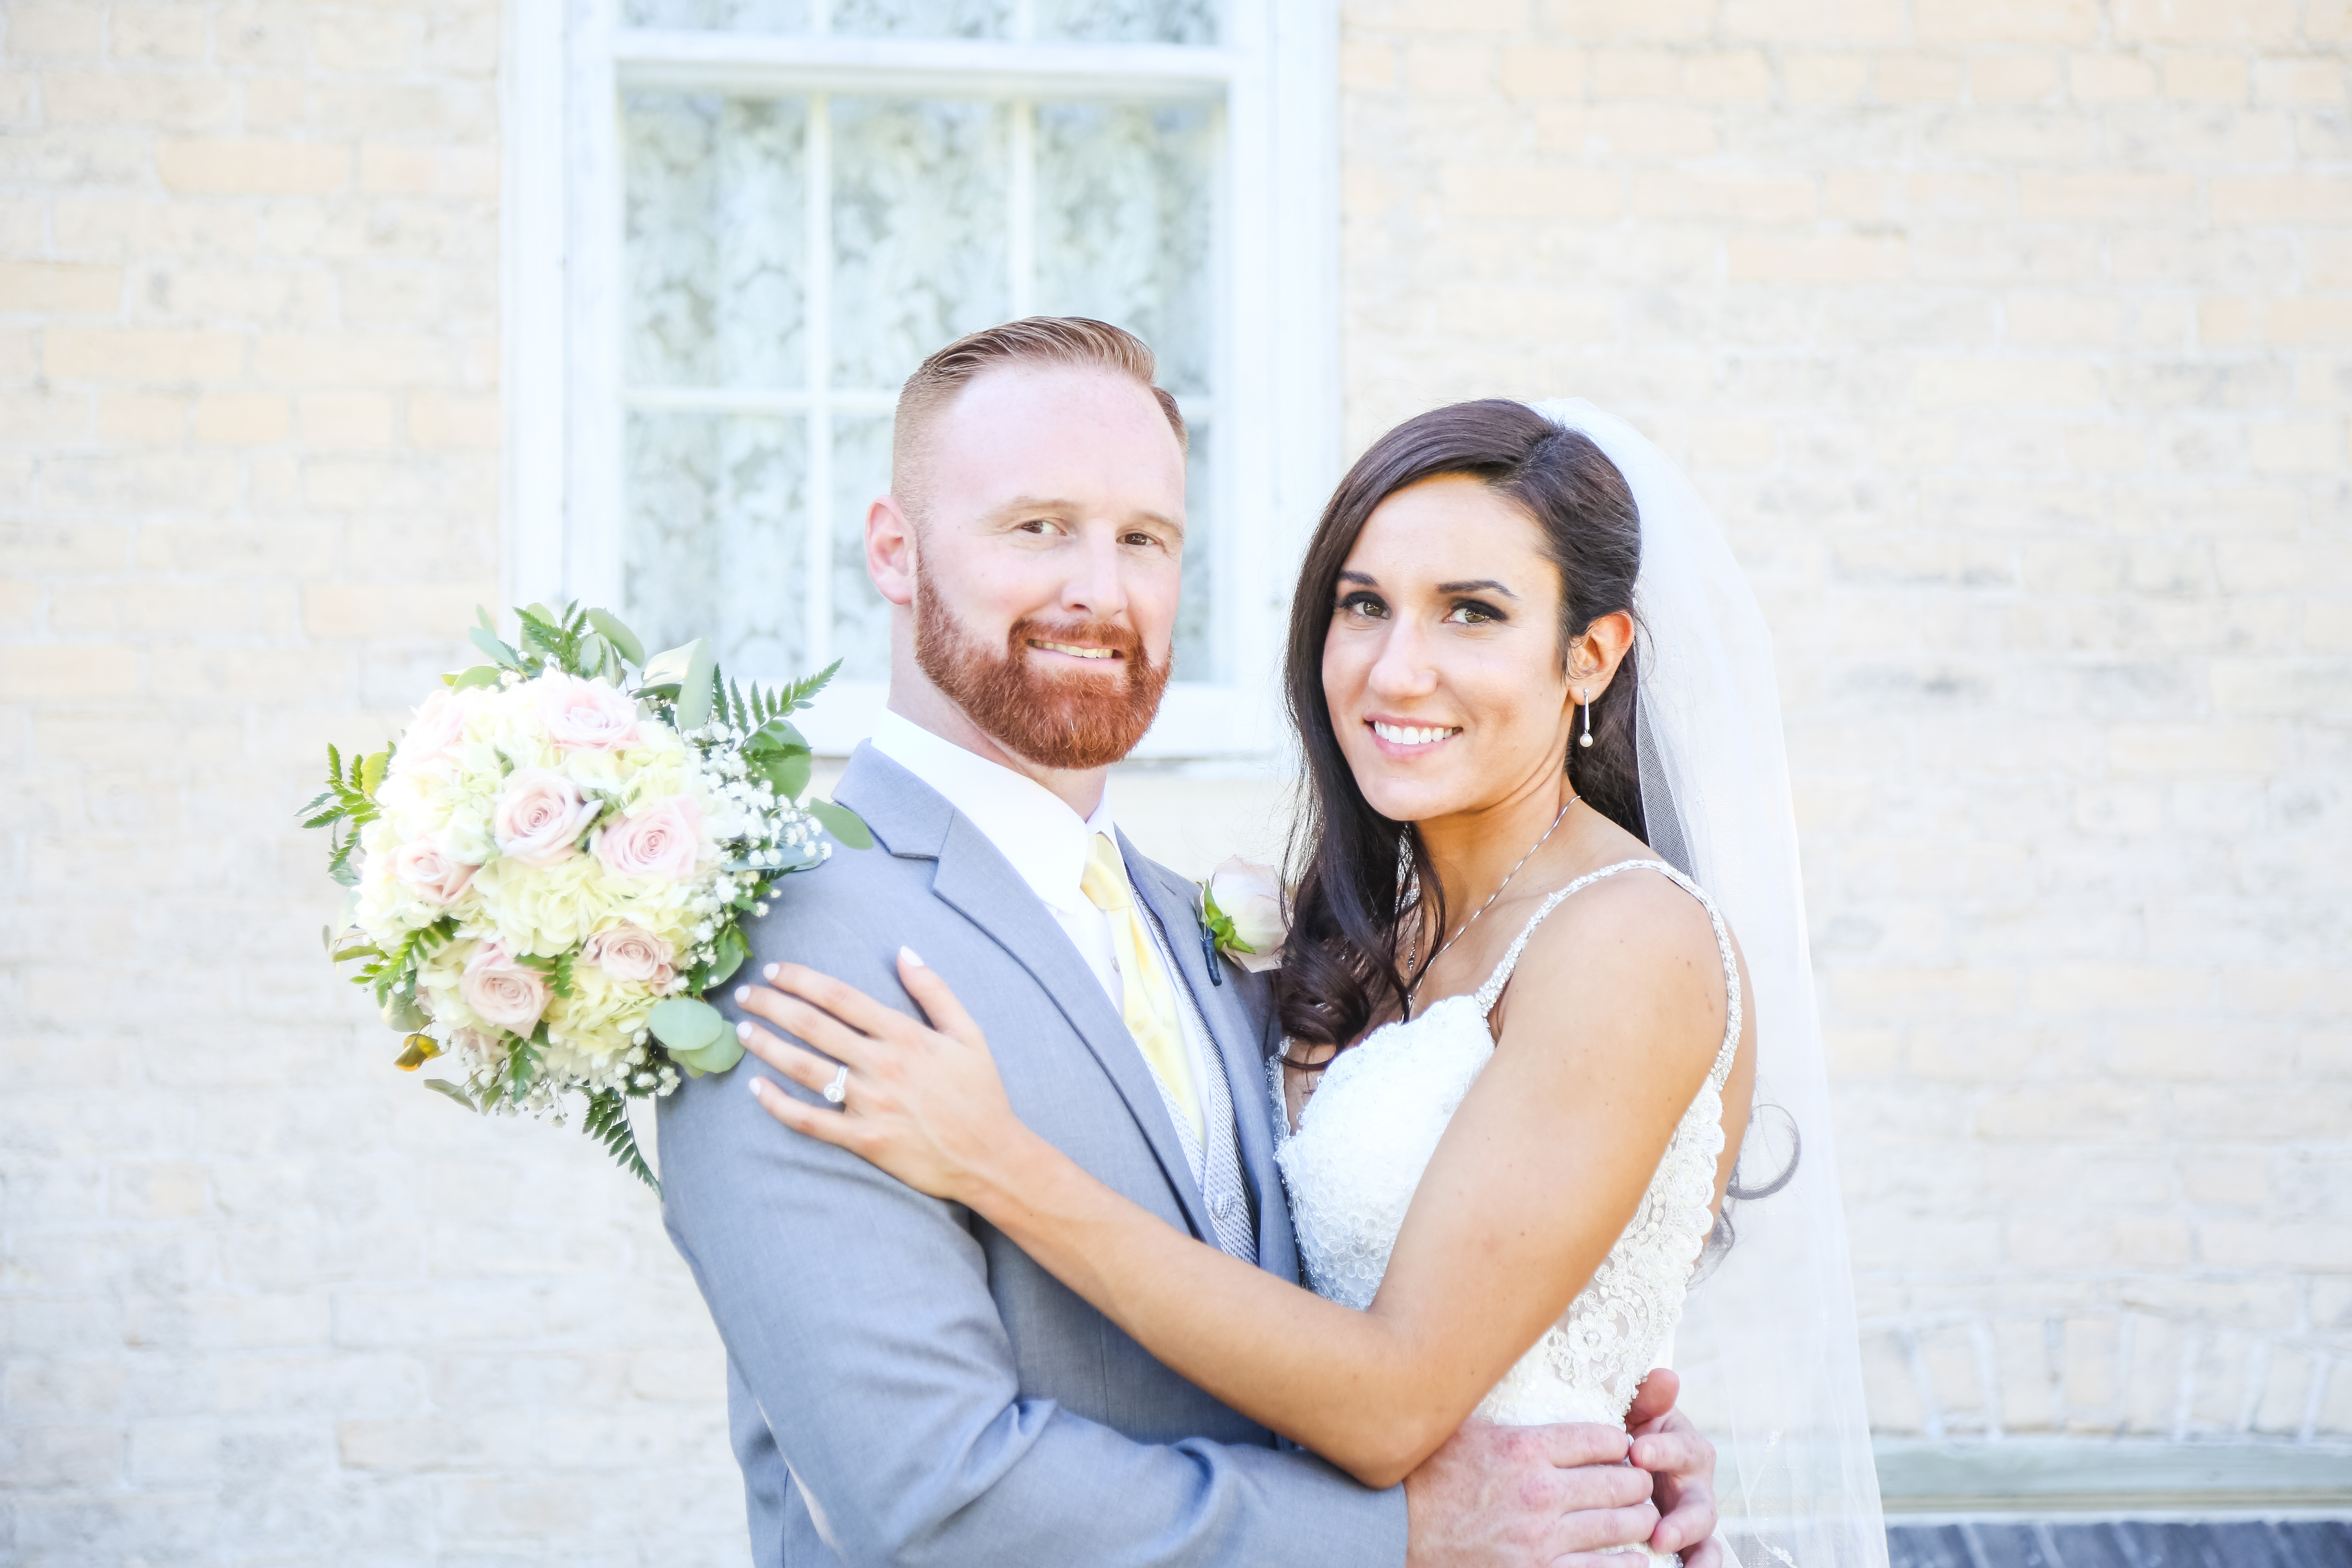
x,y
919,232
1196,614
861,616
1130,21
924,19
716,246
725,15
715,535
1124,208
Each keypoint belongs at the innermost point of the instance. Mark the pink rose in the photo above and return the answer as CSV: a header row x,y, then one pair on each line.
x,y
440,723
426,869
664,842
502,992
586,715
538,816
628,952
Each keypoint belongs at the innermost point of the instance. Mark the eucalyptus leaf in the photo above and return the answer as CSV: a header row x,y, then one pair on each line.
x,y
480,675
843,823
787,774
694,691
625,641
683,1023
402,1013
490,645
664,675
728,954
717,1056
489,623
454,1092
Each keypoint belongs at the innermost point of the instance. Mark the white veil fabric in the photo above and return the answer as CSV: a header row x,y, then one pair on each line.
x,y
1766,1348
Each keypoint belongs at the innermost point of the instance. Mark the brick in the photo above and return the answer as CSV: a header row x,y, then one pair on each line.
x,y
394,169
1598,20
39,674
2023,78
178,103
1740,77
1525,192
345,421
2205,79
241,419
58,287
2029,383
1825,79
2299,81
2281,198
437,422
141,354
55,32
252,167
348,610
1915,78
1369,66
2117,195
1819,258
2205,21
142,418
2110,79
2006,21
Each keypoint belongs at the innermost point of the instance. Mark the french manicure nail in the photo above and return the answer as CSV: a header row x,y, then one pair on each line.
x,y
743,1030
743,994
770,971
912,956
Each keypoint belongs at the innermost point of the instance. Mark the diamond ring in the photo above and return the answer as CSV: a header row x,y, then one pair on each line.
x,y
838,1089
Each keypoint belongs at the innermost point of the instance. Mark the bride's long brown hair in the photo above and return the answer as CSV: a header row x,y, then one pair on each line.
x,y
1351,865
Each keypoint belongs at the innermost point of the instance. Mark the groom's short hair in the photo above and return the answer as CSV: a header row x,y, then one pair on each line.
x,y
1075,342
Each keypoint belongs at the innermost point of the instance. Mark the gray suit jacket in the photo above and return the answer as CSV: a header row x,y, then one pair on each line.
x,y
905,1384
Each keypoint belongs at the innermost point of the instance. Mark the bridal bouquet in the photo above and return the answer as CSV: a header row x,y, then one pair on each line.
x,y
549,865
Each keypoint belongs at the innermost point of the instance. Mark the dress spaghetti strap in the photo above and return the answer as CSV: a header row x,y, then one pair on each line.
x,y
1490,993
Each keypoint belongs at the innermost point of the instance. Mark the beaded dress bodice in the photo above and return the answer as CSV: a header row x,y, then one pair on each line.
x,y
1374,1122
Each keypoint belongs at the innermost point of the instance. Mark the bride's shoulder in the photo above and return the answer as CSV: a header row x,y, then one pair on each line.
x,y
1631,943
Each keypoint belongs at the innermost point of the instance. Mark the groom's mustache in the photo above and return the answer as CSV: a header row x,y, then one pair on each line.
x,y
1060,717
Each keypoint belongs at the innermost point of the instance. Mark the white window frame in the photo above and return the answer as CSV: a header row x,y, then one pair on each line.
x,y
1278,423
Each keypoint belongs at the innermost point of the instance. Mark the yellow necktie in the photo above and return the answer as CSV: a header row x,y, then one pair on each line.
x,y
1148,1002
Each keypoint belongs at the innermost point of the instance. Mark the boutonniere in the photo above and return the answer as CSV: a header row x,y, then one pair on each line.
x,y
1241,914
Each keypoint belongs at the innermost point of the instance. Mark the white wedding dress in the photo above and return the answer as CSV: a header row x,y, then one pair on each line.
x,y
1370,1129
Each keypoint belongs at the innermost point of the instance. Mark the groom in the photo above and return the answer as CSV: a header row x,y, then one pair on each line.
x,y
905,1387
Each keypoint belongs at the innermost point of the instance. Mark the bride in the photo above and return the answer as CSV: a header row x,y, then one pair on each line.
x,y
1523,1043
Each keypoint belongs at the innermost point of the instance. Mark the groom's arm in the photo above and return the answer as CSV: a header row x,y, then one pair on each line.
x,y
857,1312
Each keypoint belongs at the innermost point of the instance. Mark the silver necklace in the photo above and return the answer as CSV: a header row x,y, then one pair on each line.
x,y
1413,948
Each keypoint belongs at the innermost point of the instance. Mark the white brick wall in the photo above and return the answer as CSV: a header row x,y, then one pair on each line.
x,y
2012,339
260,1300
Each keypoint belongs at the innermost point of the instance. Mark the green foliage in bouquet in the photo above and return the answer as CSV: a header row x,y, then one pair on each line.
x,y
739,745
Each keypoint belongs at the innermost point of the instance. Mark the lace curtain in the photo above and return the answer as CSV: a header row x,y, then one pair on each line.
x,y
748,464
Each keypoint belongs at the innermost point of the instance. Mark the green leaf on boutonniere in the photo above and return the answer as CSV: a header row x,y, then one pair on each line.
x,y
1221,925
695,1035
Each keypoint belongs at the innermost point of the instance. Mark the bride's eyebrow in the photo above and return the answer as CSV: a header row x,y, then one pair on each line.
x,y
1473,587
1366,578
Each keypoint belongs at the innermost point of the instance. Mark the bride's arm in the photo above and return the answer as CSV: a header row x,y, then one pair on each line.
x,y
1532,1183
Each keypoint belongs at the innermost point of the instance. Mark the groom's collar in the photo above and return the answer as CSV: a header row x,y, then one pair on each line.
x,y
1040,836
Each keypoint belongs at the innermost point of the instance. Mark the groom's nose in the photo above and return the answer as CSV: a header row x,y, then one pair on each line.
x,y
1095,587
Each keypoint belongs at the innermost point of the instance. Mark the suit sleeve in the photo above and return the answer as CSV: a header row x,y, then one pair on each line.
x,y
856,1312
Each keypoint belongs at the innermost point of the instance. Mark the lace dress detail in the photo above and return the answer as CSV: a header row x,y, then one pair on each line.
x,y
1366,1135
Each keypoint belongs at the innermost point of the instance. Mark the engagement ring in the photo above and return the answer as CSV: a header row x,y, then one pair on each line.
x,y
838,1089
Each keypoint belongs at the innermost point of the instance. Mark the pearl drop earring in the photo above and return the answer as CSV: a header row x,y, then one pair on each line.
x,y
1585,699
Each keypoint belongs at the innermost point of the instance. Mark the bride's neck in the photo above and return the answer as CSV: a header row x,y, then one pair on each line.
x,y
1472,852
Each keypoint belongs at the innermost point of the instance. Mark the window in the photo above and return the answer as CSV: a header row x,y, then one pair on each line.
x,y
735,227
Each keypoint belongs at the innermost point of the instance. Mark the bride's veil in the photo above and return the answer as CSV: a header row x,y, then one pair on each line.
x,y
1768,1350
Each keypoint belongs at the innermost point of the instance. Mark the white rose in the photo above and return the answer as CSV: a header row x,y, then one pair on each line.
x,y
1250,896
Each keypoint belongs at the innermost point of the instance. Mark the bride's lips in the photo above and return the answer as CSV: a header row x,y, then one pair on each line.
x,y
1405,740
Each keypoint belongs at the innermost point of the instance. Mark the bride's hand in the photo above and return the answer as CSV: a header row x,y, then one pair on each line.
x,y
923,1103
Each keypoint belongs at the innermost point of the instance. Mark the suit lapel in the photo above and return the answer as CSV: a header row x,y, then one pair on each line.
x,y
1240,1044
913,821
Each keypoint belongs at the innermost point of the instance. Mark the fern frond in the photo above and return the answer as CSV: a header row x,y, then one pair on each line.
x,y
607,1122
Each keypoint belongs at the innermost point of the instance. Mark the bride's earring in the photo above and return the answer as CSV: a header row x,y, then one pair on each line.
x,y
1584,699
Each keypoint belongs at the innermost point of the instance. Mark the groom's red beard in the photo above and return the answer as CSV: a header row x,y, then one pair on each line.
x,y
1058,718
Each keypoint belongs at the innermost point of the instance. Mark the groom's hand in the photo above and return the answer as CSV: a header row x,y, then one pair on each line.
x,y
1682,1462
1516,1496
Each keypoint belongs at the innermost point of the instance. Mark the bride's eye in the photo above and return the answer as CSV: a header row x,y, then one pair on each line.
x,y
1365,605
1470,613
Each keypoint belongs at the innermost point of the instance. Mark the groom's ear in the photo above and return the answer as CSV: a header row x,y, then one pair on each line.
x,y
890,554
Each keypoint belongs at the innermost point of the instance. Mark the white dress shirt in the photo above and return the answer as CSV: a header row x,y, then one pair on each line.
x,y
1046,843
